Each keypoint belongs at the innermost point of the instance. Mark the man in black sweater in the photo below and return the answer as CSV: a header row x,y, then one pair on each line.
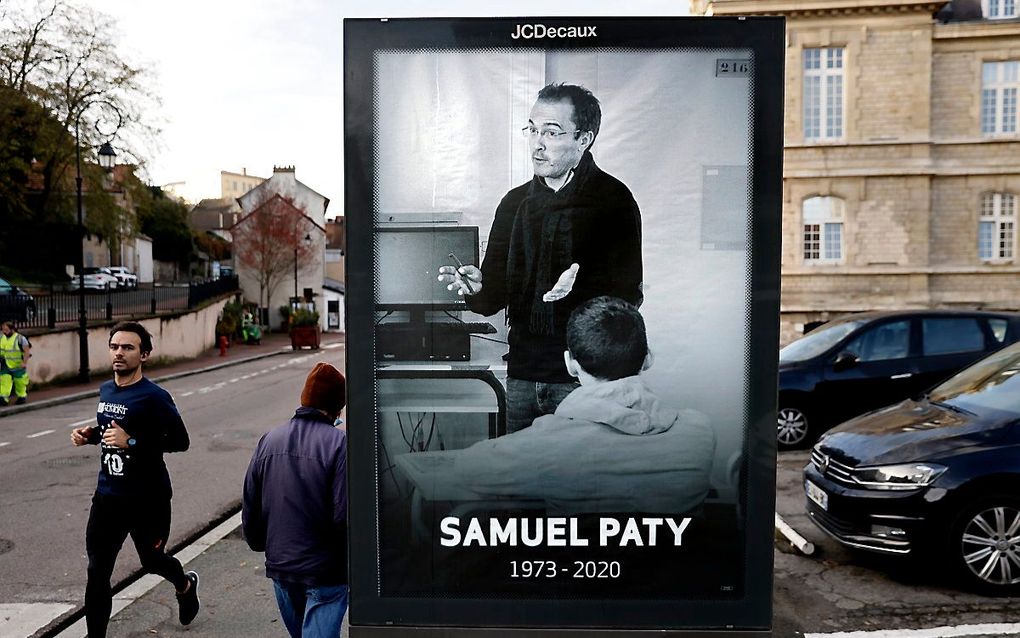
x,y
294,508
137,422
570,234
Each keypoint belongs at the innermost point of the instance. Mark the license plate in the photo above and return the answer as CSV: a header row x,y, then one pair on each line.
x,y
817,495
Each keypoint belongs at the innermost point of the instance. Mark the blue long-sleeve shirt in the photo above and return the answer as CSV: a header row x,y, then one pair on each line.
x,y
294,505
148,414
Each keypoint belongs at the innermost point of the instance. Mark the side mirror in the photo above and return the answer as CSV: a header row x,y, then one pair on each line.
x,y
844,361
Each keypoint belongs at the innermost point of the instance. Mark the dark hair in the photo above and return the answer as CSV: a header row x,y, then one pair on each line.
x,y
9,324
138,329
606,335
587,111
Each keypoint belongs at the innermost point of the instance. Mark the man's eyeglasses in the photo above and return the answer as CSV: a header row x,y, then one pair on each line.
x,y
530,133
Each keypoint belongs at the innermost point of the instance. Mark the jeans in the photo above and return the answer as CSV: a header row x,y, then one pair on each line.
x,y
528,400
311,612
111,520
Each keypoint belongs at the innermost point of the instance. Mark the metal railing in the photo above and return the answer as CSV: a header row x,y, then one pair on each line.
x,y
57,306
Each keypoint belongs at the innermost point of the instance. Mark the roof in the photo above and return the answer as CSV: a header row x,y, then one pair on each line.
x,y
289,205
334,284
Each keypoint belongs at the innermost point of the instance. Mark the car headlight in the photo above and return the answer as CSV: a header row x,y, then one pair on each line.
x,y
908,476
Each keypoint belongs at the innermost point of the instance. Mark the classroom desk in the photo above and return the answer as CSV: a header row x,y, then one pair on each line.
x,y
490,400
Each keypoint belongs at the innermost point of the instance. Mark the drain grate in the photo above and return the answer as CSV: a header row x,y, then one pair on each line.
x,y
70,461
6,545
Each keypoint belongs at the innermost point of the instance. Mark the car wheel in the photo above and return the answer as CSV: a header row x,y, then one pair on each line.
x,y
791,428
985,545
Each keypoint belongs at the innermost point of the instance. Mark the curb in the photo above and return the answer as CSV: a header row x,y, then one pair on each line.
x,y
68,398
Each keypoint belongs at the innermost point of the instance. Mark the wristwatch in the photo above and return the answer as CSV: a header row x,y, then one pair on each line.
x,y
131,442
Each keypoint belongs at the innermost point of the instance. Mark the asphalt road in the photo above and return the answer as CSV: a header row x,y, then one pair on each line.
x,y
840,590
46,484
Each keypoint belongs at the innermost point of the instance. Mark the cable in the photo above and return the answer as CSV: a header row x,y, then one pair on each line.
x,y
474,336
379,320
410,445
432,429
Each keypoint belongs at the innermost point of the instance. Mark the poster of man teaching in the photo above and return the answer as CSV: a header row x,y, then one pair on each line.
x,y
562,303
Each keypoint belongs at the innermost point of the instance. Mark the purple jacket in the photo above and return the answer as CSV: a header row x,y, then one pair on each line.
x,y
295,501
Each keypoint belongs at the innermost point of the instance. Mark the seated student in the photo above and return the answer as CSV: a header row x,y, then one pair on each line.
x,y
611,446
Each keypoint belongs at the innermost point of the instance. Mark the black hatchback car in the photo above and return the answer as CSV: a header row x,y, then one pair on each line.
x,y
866,361
937,477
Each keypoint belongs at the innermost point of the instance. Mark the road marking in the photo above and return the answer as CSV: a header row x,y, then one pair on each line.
x,y
988,629
330,346
38,434
187,394
24,619
2,444
234,380
82,422
146,583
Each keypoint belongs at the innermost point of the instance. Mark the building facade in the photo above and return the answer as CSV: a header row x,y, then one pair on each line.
x,y
307,208
902,154
233,185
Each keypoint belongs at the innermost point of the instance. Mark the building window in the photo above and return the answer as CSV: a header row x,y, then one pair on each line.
x,y
996,227
999,9
823,94
823,230
999,84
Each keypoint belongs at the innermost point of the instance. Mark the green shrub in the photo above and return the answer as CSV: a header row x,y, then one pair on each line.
x,y
302,317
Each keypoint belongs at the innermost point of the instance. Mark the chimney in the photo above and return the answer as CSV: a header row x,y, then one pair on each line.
x,y
283,169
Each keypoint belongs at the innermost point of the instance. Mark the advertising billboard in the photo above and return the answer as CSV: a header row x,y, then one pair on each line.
x,y
562,321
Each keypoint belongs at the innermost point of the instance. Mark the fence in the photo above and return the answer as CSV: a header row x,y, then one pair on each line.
x,y
58,307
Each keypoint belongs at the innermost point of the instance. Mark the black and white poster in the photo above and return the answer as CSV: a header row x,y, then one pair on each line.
x,y
562,321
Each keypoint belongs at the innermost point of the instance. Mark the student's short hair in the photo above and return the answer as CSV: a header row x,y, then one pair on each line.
x,y
7,324
138,329
587,111
606,335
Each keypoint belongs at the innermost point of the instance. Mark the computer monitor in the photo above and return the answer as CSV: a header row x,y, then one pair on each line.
x,y
407,260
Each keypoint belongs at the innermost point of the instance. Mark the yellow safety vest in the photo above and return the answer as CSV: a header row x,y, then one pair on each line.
x,y
11,352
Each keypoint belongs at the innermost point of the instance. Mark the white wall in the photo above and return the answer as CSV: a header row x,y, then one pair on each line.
x,y
55,354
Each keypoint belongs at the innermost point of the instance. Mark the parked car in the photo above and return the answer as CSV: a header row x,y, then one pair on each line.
x,y
866,361
15,303
125,278
936,477
96,278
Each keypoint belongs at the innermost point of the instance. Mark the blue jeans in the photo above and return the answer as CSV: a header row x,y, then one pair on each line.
x,y
311,612
528,400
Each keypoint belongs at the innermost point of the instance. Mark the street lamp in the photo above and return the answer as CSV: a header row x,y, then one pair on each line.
x,y
307,241
107,158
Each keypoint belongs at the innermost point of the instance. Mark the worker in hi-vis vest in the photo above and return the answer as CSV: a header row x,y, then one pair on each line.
x,y
15,351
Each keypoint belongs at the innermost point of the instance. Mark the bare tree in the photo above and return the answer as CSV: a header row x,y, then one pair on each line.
x,y
64,57
270,242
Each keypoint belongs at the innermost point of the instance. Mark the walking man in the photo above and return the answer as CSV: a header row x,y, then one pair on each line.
x,y
15,351
295,508
137,422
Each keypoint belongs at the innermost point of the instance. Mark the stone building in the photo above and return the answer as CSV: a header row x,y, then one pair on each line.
x,y
902,154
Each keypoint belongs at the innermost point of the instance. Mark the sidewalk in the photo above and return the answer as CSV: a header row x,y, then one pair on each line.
x,y
237,598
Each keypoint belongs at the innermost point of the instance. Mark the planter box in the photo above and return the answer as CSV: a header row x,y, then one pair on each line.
x,y
301,336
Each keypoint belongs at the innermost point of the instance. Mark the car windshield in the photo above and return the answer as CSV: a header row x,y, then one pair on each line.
x,y
91,271
5,288
992,383
818,341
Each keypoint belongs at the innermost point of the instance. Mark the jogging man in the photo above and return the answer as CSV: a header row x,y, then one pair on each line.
x,y
137,422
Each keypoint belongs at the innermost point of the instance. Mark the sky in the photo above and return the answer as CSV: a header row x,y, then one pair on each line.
x,y
249,84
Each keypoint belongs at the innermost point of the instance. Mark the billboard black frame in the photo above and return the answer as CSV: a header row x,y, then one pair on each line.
x,y
372,614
